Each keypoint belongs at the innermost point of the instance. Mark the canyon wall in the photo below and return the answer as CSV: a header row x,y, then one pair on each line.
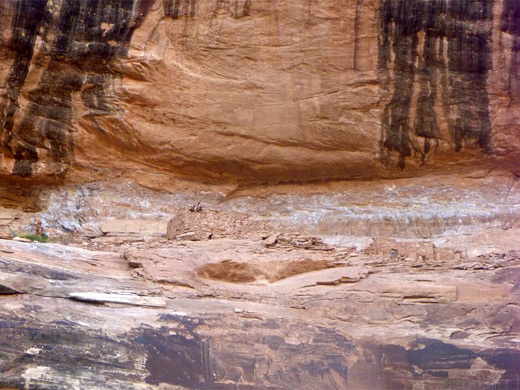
x,y
410,283
257,90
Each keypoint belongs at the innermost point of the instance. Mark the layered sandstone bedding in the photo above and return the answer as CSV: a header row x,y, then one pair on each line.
x,y
398,284
259,194
257,90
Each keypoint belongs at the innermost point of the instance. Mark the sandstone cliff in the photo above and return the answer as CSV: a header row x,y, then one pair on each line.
x,y
256,90
407,278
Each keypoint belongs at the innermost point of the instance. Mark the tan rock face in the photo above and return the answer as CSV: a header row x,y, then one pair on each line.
x,y
255,90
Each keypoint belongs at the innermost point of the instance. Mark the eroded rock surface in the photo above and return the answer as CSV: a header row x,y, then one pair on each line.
x,y
276,299
253,91
112,113
340,319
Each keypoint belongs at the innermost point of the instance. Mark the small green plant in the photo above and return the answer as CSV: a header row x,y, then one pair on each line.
x,y
34,237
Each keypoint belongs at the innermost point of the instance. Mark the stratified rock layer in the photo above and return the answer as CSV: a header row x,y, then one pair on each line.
x,y
402,284
255,90
154,317
408,284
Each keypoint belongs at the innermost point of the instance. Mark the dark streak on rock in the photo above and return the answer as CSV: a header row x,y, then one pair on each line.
x,y
357,22
511,17
29,17
37,270
510,21
174,357
178,355
237,12
416,32
507,360
436,355
81,347
431,360
247,8
177,9
77,56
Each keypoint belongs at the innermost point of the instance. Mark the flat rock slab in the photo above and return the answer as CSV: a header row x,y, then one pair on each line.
x,y
133,227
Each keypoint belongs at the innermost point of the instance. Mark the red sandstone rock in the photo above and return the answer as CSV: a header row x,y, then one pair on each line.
x,y
389,284
253,91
